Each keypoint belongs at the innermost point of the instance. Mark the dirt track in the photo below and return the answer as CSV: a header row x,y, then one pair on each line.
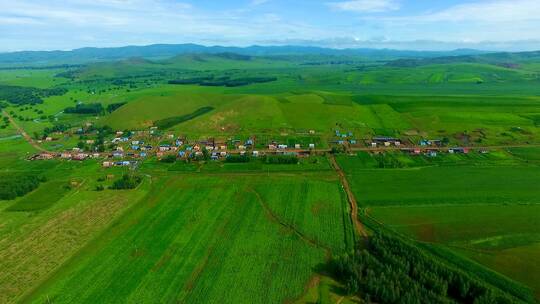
x,y
27,137
359,228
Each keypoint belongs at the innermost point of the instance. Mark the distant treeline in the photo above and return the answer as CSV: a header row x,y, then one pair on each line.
x,y
394,270
172,121
223,81
115,106
13,186
49,67
27,95
89,108
93,108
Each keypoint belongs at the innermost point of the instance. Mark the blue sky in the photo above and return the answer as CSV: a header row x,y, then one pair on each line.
x,y
400,24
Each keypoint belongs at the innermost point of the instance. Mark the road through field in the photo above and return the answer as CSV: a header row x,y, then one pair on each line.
x,y
352,200
24,134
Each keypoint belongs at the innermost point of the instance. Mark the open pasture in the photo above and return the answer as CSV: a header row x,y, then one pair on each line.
x,y
205,239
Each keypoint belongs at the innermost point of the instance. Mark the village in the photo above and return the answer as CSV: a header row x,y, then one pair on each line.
x,y
127,148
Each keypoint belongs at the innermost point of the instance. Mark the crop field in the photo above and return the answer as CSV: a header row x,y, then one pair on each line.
x,y
201,238
484,207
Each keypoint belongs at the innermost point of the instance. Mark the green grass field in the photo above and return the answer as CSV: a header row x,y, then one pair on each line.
x,y
205,239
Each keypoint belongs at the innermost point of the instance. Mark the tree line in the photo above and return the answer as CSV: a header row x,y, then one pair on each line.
x,y
13,186
393,270
27,95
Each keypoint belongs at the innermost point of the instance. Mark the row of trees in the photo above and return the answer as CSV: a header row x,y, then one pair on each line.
x,y
224,81
392,270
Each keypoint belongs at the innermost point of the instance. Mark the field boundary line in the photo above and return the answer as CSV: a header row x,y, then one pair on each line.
x,y
290,227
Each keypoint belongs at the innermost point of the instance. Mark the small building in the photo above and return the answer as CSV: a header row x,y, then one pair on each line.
x,y
417,151
90,141
282,146
135,142
353,142
48,138
65,155
223,154
118,155
297,146
241,147
80,156
312,146
387,144
311,131
164,148
107,164
272,147
255,153
142,154
374,145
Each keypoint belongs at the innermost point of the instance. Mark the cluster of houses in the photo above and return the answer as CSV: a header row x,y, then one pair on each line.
x,y
344,138
385,142
141,144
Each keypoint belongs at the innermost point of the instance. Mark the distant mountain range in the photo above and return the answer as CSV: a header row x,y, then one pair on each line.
x,y
162,51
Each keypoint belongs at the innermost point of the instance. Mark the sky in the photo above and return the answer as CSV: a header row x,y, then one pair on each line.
x,y
512,25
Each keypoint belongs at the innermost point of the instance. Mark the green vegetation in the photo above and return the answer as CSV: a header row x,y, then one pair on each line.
x,y
128,181
172,121
260,228
395,271
189,246
13,186
26,95
44,197
92,108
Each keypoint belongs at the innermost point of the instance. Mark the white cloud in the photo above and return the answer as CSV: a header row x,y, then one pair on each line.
x,y
490,11
366,6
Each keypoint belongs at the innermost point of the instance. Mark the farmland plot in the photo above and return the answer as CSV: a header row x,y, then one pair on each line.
x,y
208,239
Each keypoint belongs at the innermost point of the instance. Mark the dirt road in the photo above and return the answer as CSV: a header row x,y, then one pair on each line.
x,y
359,228
27,137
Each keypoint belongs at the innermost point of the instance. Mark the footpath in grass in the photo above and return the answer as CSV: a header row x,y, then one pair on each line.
x,y
207,239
